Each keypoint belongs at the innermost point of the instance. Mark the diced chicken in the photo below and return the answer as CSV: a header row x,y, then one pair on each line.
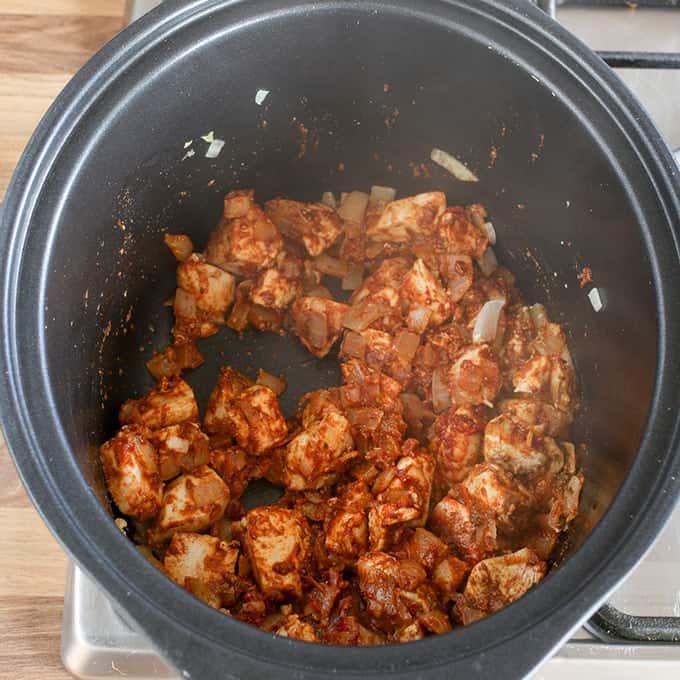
x,y
365,386
457,441
180,448
172,401
498,581
295,627
274,290
459,273
475,377
459,235
236,468
520,449
237,203
255,420
346,526
562,385
502,495
174,359
551,377
316,455
536,413
318,323
315,224
448,576
394,590
465,525
408,217
424,547
245,244
130,465
276,542
533,376
424,301
212,287
317,404
229,386
519,333
180,245
197,556
192,502
347,630
402,494
550,340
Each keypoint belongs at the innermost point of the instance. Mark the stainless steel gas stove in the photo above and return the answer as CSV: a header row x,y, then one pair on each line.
x,y
638,632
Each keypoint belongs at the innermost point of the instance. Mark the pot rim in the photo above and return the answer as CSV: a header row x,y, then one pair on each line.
x,y
542,619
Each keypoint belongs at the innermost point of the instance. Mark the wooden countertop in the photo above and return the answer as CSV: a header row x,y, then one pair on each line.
x,y
42,44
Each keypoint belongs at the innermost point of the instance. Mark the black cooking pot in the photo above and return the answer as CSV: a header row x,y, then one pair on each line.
x,y
581,178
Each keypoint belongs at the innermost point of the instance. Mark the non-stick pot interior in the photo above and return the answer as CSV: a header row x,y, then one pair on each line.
x,y
355,98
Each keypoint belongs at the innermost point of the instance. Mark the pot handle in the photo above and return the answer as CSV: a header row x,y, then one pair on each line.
x,y
610,624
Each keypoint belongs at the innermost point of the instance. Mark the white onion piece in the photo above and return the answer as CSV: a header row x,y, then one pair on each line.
x,y
353,279
275,383
330,265
539,315
317,325
595,299
453,165
353,207
486,323
488,262
215,148
406,346
441,399
490,232
418,318
382,195
361,316
185,304
328,198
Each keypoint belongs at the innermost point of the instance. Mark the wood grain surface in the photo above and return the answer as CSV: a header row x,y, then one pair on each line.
x,y
42,44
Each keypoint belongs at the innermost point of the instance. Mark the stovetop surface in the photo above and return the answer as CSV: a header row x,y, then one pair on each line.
x,y
98,643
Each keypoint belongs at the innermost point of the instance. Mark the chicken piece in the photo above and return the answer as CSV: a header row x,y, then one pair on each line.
x,y
533,376
346,525
536,413
130,466
172,401
230,385
423,547
180,245
408,217
274,290
237,203
180,448
475,377
456,441
295,627
394,590
402,494
562,381
235,467
315,224
564,501
520,449
519,333
365,386
315,405
550,340
212,287
245,244
550,377
276,542
448,576
318,323
459,235
200,557
319,453
424,301
192,502
255,420
459,273
502,495
347,630
497,581
465,525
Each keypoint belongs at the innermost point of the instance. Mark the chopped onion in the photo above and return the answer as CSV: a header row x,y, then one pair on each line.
x,y
453,165
539,315
328,198
406,346
238,319
353,207
275,383
490,232
263,318
458,288
319,292
353,345
354,278
330,265
361,316
458,269
260,96
317,325
441,399
215,148
486,323
180,245
566,357
595,299
488,262
382,195
368,418
418,318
